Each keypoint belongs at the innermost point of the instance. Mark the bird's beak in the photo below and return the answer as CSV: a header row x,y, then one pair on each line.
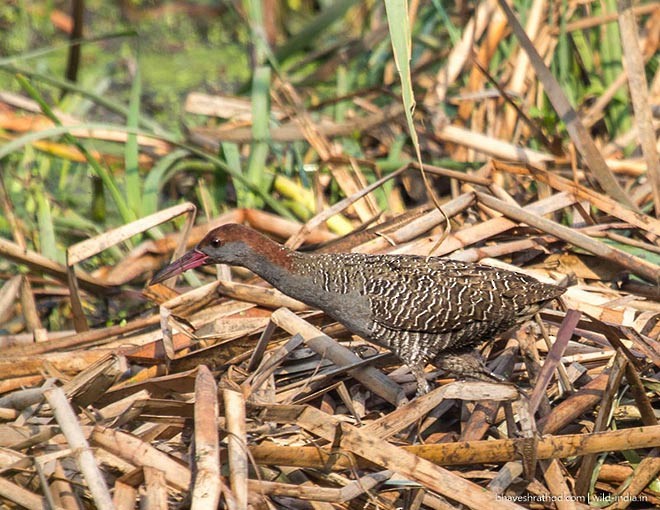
x,y
190,260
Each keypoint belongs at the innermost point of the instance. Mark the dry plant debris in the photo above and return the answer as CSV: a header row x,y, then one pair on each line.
x,y
233,392
230,393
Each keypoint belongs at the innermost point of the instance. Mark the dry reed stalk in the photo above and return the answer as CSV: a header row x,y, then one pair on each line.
x,y
555,477
139,453
281,227
154,490
471,452
23,497
41,264
588,462
636,265
237,447
61,361
70,426
416,226
296,240
483,230
640,97
352,183
581,192
315,493
460,53
325,346
124,496
553,359
206,482
80,340
89,247
491,146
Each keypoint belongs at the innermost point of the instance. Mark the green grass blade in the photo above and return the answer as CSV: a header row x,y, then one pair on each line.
x,y
397,19
45,222
260,130
131,149
311,31
454,33
40,52
156,178
232,156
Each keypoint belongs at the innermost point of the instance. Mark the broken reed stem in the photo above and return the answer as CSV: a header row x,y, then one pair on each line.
x,y
68,422
237,446
554,358
206,483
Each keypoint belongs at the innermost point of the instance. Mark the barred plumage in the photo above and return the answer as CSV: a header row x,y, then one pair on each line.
x,y
423,309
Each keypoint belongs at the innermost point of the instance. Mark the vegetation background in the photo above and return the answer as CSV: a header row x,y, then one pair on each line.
x,y
310,121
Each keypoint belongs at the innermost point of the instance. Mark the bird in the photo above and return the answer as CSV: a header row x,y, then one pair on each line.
x,y
424,309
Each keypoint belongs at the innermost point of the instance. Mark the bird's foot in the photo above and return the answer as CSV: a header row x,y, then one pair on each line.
x,y
423,386
467,365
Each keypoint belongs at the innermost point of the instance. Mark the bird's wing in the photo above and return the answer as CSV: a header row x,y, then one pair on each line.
x,y
442,295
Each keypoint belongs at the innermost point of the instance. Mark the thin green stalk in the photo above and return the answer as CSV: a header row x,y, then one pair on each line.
x,y
131,149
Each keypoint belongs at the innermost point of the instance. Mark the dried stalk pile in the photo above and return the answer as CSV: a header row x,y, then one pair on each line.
x,y
223,391
227,394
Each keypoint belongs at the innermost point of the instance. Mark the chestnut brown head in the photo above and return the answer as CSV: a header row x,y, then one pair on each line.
x,y
227,244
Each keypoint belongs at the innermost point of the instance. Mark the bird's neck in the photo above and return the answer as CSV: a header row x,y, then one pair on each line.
x,y
270,260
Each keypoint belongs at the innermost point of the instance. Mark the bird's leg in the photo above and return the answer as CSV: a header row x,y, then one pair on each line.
x,y
423,386
467,365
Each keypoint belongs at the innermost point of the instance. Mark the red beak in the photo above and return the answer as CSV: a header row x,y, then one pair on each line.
x,y
190,260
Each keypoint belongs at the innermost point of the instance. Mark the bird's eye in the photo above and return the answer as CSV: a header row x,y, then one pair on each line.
x,y
216,242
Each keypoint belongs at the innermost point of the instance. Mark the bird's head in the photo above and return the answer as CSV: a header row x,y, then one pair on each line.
x,y
227,244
